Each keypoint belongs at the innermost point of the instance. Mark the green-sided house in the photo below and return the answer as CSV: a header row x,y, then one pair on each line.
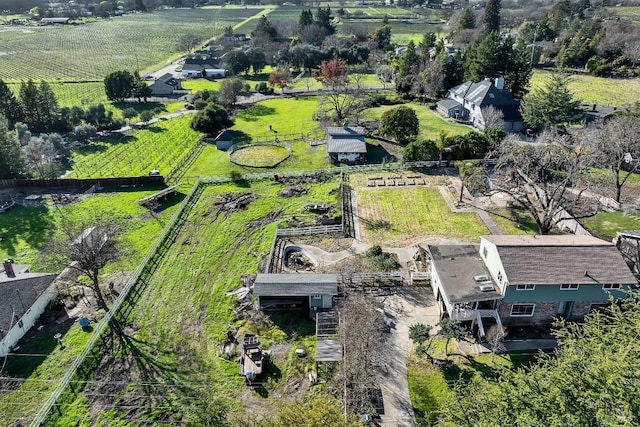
x,y
520,280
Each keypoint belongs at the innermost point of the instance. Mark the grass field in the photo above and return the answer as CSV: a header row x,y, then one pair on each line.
x,y
632,13
605,92
160,146
90,51
430,123
179,330
26,231
389,216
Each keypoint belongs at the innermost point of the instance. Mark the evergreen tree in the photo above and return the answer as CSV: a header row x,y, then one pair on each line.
x,y
453,68
29,101
518,68
491,19
550,106
264,28
10,108
487,60
409,61
306,18
467,20
382,36
11,160
119,85
323,19
49,110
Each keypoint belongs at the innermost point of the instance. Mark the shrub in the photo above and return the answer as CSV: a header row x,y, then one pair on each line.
x,y
374,251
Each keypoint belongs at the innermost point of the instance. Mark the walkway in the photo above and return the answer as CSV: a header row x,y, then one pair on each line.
x,y
410,305
532,345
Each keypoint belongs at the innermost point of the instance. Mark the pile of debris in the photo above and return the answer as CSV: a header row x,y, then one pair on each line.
x,y
296,261
232,202
314,178
295,190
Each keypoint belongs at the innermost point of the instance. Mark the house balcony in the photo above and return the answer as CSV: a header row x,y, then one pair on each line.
x,y
475,316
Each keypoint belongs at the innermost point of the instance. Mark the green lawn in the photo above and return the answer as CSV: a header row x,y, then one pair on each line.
x,y
160,146
389,216
265,156
606,224
431,385
596,90
430,122
183,322
26,231
516,222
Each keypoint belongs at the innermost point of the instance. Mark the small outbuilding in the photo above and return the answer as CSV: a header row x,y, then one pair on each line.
x,y
224,140
346,144
295,291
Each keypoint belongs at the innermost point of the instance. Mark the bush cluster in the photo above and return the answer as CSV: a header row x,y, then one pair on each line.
x,y
384,261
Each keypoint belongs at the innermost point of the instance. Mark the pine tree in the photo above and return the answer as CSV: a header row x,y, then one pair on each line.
x,y
306,18
489,59
48,107
552,105
29,100
467,20
9,105
11,160
491,19
518,68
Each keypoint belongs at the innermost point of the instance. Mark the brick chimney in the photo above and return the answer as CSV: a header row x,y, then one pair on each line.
x,y
8,268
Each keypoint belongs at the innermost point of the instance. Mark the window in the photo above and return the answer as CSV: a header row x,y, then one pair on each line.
x,y
484,252
522,310
525,287
611,286
571,287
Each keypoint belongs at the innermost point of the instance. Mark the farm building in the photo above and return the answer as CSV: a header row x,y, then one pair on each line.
x,y
346,144
224,140
520,280
165,85
305,291
466,102
202,65
53,21
25,296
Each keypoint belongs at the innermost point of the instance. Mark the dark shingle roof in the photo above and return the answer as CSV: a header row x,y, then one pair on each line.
x,y
295,284
484,94
567,259
346,145
19,293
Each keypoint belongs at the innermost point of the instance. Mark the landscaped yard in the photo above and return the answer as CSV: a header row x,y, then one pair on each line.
x,y
160,146
396,217
431,384
430,122
606,224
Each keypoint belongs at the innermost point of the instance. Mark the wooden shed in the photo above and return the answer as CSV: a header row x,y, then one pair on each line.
x,y
295,291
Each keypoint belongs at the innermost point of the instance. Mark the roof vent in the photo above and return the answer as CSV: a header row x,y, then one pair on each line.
x,y
486,288
481,278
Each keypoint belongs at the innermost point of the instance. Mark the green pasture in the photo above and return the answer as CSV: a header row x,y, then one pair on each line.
x,y
159,146
605,92
632,13
515,222
430,122
180,328
92,50
26,230
391,215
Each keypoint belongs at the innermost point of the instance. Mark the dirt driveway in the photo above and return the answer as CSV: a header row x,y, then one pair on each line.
x,y
410,305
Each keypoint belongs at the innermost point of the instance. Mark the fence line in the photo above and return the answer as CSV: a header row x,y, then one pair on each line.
x,y
82,182
101,327
337,228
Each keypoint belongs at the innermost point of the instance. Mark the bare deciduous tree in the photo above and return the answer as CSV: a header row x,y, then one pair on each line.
x,y
492,117
341,97
362,334
542,178
85,246
495,338
612,144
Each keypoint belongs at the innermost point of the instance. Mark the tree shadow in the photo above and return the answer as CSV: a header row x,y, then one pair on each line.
x,y
33,225
156,129
36,345
378,154
293,322
103,144
253,113
141,106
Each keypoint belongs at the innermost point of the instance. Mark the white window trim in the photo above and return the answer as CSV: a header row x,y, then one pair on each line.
x,y
533,310
609,286
317,296
525,288
569,289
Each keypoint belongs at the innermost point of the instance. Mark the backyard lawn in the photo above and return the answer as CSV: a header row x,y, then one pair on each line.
x,y
430,122
606,224
391,217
